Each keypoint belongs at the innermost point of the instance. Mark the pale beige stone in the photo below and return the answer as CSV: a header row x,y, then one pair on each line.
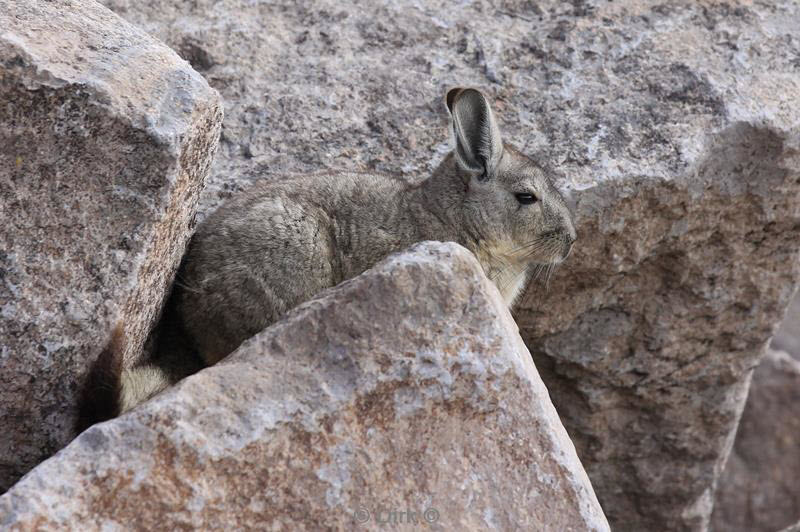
x,y
106,137
405,393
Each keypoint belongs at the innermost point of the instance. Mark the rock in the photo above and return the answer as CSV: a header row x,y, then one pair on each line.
x,y
106,139
793,528
787,338
675,128
759,491
405,393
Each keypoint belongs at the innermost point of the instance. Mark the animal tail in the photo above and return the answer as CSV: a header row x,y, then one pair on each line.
x,y
139,384
111,390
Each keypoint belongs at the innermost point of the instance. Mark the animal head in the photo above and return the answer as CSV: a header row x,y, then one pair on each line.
x,y
510,201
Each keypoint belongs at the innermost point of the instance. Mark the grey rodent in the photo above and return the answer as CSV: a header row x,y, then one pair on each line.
x,y
281,242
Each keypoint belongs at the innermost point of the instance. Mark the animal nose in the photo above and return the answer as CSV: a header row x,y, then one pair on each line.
x,y
566,251
572,236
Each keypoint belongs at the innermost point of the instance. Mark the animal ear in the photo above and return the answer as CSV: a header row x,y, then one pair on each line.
x,y
479,146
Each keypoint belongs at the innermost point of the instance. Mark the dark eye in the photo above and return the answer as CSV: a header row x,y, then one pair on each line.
x,y
526,199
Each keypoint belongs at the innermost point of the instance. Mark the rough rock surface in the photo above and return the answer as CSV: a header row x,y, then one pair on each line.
x,y
759,489
404,394
106,139
787,338
675,126
794,528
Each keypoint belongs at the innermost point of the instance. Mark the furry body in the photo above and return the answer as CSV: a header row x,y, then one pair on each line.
x,y
281,242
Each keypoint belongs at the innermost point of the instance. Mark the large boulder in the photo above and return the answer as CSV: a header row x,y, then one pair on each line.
x,y
106,137
676,130
759,489
403,396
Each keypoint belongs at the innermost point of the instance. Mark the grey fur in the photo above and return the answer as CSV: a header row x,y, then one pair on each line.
x,y
281,242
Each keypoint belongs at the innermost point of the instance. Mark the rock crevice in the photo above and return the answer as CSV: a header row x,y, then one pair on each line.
x,y
330,419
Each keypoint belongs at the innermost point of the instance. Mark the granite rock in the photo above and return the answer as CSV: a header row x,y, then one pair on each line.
x,y
106,139
675,130
787,337
758,490
402,396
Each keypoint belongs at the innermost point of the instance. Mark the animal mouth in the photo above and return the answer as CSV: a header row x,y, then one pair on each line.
x,y
566,253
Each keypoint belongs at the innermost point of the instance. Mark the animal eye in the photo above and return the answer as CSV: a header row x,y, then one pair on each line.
x,y
526,199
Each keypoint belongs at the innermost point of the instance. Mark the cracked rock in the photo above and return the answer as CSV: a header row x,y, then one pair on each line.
x,y
106,139
404,395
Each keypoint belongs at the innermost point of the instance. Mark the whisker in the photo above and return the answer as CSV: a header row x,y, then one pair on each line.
x,y
550,270
536,241
537,271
